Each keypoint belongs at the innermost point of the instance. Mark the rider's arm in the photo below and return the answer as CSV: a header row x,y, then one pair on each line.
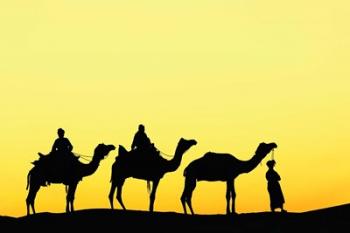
x,y
69,145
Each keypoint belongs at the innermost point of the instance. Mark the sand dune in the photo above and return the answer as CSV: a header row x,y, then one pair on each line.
x,y
334,219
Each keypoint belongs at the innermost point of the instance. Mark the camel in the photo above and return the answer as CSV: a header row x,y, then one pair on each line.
x,y
145,166
69,171
220,167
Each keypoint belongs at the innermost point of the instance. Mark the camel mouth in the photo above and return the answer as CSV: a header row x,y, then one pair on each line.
x,y
191,141
110,147
103,150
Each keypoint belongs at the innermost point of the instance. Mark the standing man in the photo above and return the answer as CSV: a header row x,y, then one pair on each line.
x,y
274,188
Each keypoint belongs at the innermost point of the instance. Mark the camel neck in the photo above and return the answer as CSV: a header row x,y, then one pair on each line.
x,y
249,165
91,167
174,163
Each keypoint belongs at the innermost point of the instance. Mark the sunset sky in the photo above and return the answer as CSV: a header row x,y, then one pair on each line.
x,y
228,73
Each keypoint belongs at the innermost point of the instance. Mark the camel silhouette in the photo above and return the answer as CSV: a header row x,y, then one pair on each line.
x,y
50,169
144,166
220,167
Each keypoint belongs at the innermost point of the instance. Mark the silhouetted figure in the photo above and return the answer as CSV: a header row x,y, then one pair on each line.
x,y
62,145
141,140
274,188
141,167
141,144
220,167
45,171
62,152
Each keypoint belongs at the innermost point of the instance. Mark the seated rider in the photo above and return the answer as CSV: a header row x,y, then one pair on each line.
x,y
62,145
141,142
61,157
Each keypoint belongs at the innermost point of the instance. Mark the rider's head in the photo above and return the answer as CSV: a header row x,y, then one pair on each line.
x,y
271,163
141,128
60,132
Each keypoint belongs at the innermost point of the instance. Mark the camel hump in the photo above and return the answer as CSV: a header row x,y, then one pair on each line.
x,y
188,171
122,151
208,154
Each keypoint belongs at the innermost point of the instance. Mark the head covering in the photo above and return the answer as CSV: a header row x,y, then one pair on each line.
x,y
271,163
141,127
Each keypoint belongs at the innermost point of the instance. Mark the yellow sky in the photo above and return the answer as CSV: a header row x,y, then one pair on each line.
x,y
229,74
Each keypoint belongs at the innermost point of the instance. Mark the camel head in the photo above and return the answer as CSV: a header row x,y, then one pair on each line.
x,y
184,145
264,149
102,150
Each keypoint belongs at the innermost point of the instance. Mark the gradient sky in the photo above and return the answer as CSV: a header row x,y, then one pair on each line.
x,y
230,74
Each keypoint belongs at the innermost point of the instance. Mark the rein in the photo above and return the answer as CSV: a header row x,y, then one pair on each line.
x,y
84,157
166,155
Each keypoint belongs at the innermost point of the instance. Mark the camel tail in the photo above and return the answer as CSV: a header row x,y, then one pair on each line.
x,y
148,186
28,179
185,172
111,180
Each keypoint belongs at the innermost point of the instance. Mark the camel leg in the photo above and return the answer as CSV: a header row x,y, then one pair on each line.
x,y
189,202
183,201
152,197
119,193
233,196
70,197
231,184
67,201
189,198
111,193
228,196
33,190
186,196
